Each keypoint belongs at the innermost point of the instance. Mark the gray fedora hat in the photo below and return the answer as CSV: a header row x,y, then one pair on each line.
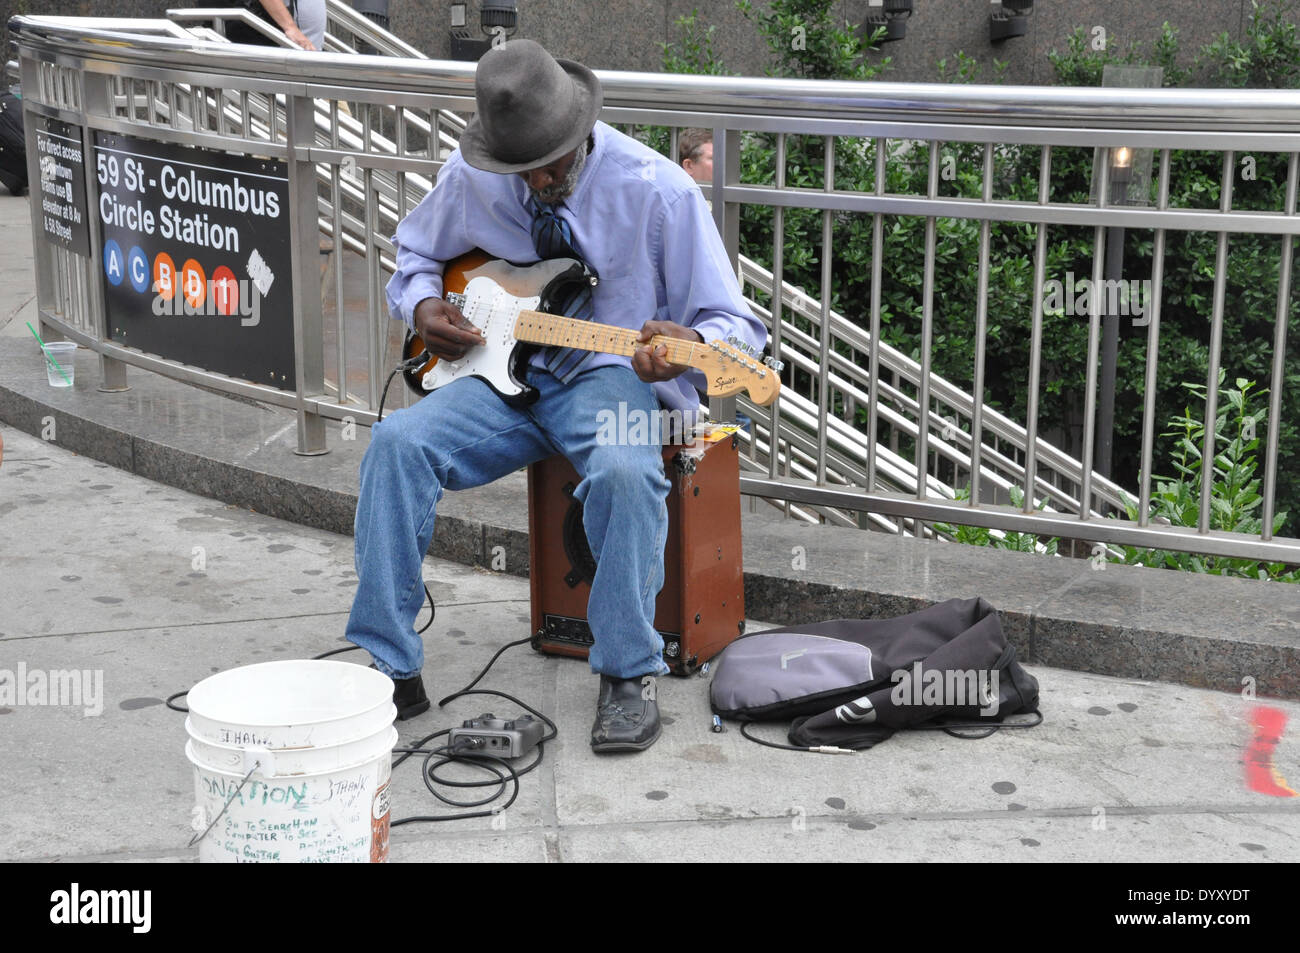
x,y
532,108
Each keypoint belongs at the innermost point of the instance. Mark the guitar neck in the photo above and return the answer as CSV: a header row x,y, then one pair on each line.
x,y
537,327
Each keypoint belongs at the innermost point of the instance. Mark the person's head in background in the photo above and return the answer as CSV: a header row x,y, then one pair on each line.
x,y
695,154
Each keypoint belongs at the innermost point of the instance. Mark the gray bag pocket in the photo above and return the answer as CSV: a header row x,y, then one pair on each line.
x,y
785,674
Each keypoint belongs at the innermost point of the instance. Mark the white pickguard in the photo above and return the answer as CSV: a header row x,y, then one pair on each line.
x,y
493,310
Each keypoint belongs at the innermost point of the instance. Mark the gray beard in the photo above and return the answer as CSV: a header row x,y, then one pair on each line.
x,y
557,192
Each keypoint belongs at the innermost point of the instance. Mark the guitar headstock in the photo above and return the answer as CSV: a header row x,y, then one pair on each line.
x,y
729,370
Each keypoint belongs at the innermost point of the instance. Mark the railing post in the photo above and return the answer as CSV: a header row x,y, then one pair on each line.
x,y
308,320
726,171
41,250
95,102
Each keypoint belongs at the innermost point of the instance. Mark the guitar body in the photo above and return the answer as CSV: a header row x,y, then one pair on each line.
x,y
494,291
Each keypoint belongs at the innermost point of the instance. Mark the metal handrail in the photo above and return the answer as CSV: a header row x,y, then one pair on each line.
x,y
1197,116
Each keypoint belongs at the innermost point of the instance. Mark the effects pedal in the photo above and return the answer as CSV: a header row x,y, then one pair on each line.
x,y
488,734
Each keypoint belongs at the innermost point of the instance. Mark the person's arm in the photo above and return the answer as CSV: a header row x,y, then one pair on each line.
x,y
700,282
278,12
418,275
426,239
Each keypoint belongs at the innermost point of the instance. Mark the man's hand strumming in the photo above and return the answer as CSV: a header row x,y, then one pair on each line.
x,y
445,331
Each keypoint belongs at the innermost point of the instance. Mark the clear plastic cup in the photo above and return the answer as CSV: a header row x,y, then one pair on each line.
x,y
60,362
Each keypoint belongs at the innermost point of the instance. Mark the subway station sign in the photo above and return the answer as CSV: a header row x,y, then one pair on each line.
x,y
195,256
63,182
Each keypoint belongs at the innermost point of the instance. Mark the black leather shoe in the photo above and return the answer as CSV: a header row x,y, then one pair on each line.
x,y
409,697
627,715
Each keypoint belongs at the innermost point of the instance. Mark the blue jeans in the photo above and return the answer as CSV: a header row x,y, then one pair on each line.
x,y
463,435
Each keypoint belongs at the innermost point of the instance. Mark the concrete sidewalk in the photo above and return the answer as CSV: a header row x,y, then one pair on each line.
x,y
150,589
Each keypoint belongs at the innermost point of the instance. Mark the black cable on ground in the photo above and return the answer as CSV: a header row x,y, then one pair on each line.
x,y
434,758
478,761
952,728
769,744
346,648
987,730
479,677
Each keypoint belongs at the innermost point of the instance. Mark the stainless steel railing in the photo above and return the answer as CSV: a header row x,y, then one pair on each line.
x,y
377,156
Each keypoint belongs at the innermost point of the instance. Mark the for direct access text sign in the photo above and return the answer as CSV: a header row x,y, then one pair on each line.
x,y
196,257
61,159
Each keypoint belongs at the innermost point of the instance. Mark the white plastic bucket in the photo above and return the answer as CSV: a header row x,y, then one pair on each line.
x,y
320,734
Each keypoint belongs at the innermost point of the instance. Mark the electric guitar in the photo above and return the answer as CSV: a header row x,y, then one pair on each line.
x,y
500,299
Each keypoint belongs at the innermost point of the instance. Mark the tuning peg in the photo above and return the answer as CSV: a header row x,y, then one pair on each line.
x,y
774,364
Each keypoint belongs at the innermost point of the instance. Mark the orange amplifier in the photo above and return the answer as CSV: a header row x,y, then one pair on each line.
x,y
701,607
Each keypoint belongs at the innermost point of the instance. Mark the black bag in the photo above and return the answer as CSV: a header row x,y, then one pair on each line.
x,y
237,32
852,683
13,144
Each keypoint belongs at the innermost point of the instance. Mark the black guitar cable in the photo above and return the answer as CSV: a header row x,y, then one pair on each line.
x,y
410,364
484,762
170,701
957,729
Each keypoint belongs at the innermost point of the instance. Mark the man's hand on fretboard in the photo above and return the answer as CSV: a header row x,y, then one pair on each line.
x,y
651,364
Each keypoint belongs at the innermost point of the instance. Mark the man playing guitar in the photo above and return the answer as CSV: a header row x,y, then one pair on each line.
x,y
538,177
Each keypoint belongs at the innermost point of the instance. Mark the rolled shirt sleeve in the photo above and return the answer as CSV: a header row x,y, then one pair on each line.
x,y
427,238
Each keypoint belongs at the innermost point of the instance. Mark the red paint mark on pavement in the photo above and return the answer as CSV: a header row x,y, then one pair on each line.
x,y
1261,775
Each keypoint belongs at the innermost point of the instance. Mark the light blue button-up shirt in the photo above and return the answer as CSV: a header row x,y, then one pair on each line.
x,y
638,219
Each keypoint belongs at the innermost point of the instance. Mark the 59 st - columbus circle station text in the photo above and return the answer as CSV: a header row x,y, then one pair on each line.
x,y
186,186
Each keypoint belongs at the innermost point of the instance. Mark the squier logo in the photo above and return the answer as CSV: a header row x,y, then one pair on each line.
x,y
102,906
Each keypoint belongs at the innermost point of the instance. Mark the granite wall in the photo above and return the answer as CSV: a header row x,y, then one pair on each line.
x,y
627,34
